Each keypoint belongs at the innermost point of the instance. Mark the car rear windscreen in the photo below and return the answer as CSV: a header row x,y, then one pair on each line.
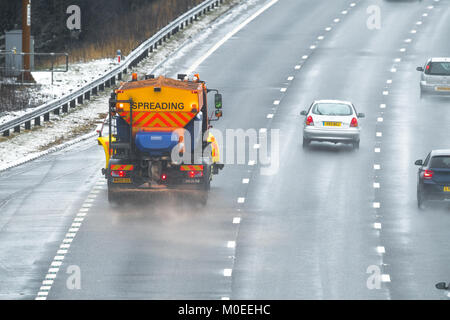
x,y
332,109
440,162
438,69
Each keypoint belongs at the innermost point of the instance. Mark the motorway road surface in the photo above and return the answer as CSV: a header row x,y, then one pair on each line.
x,y
311,230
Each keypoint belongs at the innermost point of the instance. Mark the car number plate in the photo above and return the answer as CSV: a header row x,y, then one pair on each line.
x,y
446,189
122,180
442,88
332,124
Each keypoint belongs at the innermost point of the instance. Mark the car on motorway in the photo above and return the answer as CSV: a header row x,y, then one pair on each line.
x,y
332,121
433,181
435,77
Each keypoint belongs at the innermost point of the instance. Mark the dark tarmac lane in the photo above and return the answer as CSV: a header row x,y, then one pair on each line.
x,y
308,231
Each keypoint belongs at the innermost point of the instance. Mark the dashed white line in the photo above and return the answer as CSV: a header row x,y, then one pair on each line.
x,y
236,220
227,272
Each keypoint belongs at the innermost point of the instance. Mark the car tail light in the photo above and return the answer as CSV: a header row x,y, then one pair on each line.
x,y
309,121
354,123
118,173
195,174
428,174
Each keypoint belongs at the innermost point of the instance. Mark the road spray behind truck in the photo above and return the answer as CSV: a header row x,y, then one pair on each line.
x,y
158,138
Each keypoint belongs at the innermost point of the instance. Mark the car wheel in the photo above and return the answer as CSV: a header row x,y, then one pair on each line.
x,y
355,145
306,143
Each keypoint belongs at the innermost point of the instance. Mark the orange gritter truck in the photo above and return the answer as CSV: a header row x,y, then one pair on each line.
x,y
158,137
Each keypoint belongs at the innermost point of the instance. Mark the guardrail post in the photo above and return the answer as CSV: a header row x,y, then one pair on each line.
x,y
37,121
47,116
119,77
17,129
87,95
108,83
101,87
113,80
80,99
56,111
28,125
6,133
72,105
94,90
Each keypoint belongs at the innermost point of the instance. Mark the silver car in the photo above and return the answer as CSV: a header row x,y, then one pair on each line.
x,y
435,78
332,121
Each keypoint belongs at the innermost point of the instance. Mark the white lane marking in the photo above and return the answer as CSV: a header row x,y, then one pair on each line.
x,y
290,78
78,219
231,244
297,67
236,220
87,205
58,258
276,102
403,50
251,162
76,225
377,225
377,150
47,282
337,20
376,205
81,214
393,70
65,246
53,270
352,4
328,29
320,37
256,146
89,200
408,40
344,12
385,278
229,35
381,249
413,31
227,272
430,7
225,298
283,89
270,116
379,134
377,167
304,57
385,93
312,47
389,81
50,276
419,23
398,59
376,185
382,106
245,181
42,293
56,263
425,15
241,200
380,119
263,130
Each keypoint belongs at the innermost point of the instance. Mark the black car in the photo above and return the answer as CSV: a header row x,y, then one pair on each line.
x,y
434,177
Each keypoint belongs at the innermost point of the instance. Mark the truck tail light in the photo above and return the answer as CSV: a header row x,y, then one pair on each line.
x,y
428,174
118,173
309,121
195,174
163,177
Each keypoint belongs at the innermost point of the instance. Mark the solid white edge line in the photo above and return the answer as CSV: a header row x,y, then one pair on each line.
x,y
229,35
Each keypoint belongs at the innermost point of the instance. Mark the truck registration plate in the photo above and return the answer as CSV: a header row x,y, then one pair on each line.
x,y
121,180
